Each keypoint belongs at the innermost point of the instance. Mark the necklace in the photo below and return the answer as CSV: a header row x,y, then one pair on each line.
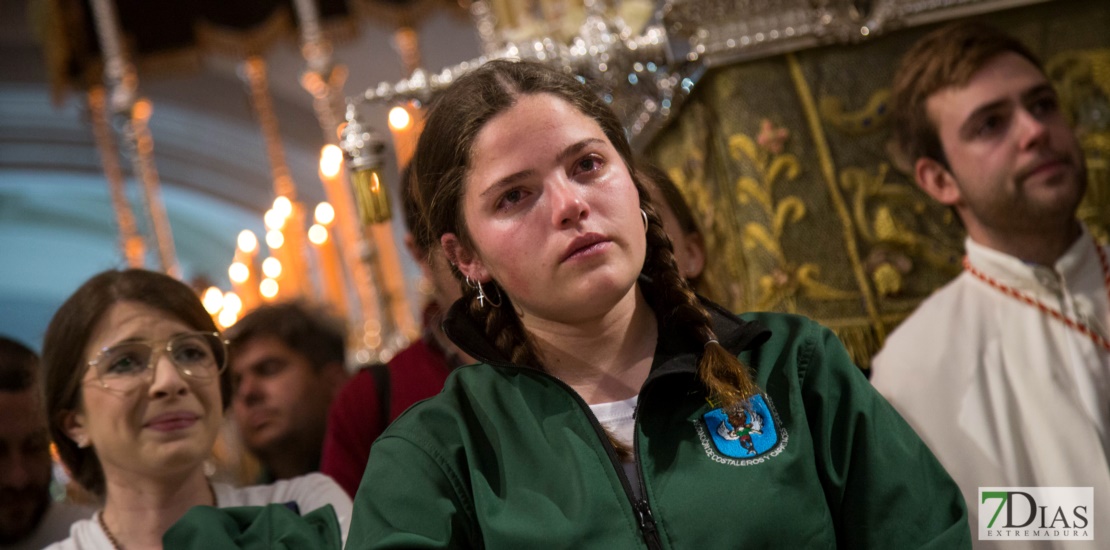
x,y
1012,292
107,531
112,538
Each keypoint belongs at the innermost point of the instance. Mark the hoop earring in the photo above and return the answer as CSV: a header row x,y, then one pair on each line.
x,y
482,298
644,215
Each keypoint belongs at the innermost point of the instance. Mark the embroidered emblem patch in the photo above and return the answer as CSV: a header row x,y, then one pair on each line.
x,y
747,432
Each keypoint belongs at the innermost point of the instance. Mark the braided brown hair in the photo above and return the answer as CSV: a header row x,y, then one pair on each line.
x,y
445,153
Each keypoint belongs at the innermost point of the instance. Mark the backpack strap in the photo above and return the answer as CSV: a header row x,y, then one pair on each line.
x,y
380,372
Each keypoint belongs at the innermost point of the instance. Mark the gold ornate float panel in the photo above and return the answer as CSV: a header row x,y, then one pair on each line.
x,y
786,161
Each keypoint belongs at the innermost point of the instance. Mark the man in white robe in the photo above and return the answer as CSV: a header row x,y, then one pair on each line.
x,y
1005,371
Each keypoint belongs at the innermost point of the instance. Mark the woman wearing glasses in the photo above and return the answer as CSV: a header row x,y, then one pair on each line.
x,y
136,385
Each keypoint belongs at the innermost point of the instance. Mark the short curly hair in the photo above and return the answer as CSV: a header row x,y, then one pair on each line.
x,y
307,329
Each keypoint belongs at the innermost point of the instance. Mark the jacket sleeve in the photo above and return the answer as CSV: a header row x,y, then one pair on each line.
x,y
269,526
408,500
353,425
884,487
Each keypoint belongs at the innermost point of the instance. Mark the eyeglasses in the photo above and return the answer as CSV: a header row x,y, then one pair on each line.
x,y
198,356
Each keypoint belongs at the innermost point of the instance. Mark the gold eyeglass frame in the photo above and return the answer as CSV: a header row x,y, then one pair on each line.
x,y
167,348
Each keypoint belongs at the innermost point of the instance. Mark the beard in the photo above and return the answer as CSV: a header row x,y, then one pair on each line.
x,y
1029,210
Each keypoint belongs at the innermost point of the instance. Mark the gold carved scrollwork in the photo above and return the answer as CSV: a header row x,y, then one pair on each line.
x,y
840,200
1082,78
873,115
887,215
779,287
725,279
878,207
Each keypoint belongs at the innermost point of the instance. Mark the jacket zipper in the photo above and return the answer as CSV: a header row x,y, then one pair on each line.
x,y
647,525
643,509
643,512
640,506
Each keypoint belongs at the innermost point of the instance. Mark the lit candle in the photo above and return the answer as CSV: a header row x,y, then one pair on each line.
x,y
243,271
295,259
405,124
269,289
327,257
290,249
213,300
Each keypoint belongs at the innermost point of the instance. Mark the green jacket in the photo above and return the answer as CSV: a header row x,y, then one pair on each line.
x,y
511,457
270,527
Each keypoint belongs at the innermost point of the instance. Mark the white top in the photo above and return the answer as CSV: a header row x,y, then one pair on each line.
x,y
54,525
309,492
618,418
1003,394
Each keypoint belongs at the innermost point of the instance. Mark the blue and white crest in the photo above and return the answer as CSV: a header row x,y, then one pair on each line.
x,y
747,431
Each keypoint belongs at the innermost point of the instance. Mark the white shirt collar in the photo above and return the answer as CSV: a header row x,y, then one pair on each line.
x,y
1015,272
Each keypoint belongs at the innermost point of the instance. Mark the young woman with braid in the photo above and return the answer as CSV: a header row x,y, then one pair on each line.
x,y
610,407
